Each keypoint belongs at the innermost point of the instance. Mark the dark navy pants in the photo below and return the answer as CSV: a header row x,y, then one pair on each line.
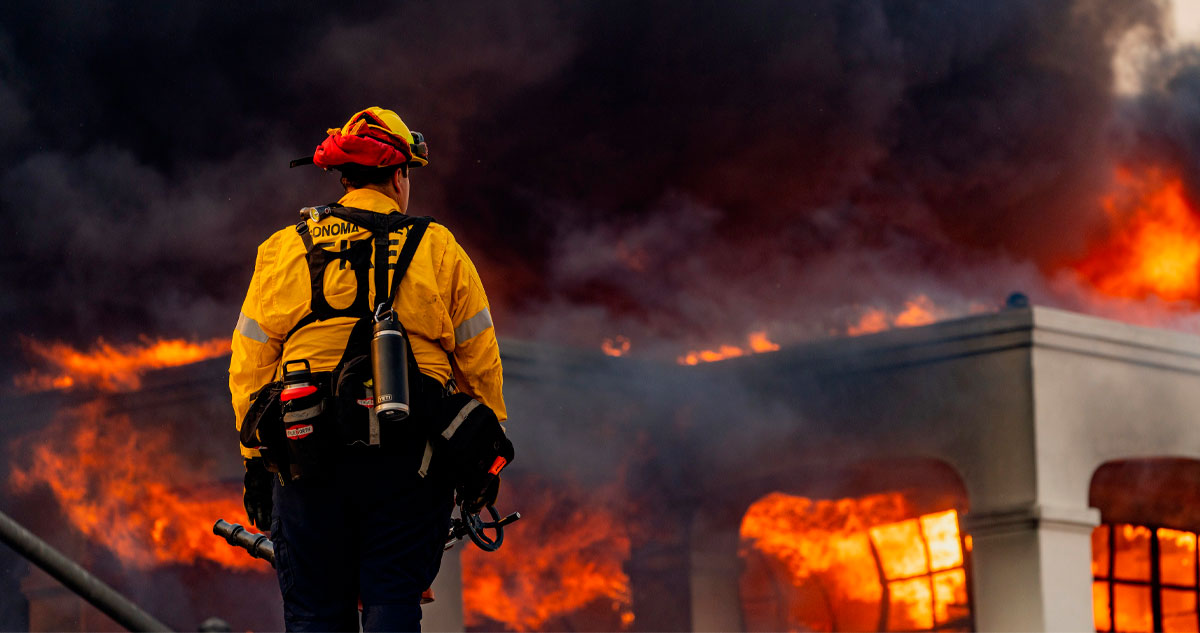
x,y
373,530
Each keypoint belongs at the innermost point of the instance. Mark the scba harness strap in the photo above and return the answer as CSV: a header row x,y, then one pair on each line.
x,y
352,374
358,257
338,410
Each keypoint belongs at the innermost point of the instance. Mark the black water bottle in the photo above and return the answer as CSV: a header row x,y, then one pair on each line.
x,y
389,364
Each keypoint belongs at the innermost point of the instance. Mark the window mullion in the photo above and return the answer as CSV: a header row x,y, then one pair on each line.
x,y
1112,576
1156,580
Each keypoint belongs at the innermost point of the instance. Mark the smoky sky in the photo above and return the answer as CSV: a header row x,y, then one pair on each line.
x,y
670,171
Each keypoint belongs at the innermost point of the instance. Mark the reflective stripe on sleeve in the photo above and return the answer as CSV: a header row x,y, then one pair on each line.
x,y
458,419
250,328
473,326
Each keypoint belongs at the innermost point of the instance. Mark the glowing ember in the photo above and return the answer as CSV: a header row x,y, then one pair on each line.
x,y
757,343
919,310
114,484
856,564
618,346
1155,246
111,367
565,556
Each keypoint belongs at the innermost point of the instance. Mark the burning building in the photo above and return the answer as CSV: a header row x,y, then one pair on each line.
x,y
755,173
1028,469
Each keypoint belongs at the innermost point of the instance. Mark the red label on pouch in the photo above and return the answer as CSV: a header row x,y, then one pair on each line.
x,y
298,432
367,402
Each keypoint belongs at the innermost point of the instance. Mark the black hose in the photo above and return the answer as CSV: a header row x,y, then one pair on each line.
x,y
258,545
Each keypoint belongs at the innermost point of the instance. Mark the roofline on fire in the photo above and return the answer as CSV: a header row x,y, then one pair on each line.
x,y
1035,326
1032,327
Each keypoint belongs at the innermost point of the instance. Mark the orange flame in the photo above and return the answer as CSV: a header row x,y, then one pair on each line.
x,y
111,367
760,344
1155,248
873,567
618,346
565,555
110,480
757,343
919,310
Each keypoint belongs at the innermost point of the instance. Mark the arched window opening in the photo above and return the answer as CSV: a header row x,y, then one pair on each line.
x,y
1145,565
867,563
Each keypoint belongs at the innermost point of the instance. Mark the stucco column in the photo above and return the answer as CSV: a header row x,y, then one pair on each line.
x,y
446,612
660,582
716,571
1031,568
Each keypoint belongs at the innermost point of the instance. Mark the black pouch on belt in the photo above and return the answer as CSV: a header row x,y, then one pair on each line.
x,y
307,427
353,400
470,441
262,428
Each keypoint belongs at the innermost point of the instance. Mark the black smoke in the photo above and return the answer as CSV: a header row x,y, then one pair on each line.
x,y
676,172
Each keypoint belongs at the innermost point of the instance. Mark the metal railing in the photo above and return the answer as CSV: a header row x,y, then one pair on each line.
x,y
76,578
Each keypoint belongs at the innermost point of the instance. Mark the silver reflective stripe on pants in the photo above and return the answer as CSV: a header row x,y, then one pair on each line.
x,y
373,428
473,326
250,328
425,459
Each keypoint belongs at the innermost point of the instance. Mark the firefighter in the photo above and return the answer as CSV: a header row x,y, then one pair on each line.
x,y
374,485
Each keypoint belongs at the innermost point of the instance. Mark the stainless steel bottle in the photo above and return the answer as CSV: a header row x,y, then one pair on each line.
x,y
389,364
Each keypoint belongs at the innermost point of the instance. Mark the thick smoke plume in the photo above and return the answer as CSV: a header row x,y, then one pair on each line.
x,y
675,173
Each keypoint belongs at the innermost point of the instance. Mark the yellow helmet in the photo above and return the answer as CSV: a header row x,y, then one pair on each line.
x,y
374,137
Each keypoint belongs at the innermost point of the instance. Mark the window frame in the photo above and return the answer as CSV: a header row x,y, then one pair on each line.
x,y
1155,583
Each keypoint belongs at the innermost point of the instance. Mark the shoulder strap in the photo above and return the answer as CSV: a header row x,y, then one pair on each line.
x,y
381,226
302,229
416,231
308,319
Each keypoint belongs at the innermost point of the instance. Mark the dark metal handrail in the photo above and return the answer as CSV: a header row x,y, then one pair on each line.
x,y
76,578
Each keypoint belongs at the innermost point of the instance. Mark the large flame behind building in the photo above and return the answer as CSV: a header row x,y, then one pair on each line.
x,y
109,367
1154,248
567,554
129,490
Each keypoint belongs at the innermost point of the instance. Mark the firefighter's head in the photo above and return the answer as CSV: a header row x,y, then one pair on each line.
x,y
376,150
392,181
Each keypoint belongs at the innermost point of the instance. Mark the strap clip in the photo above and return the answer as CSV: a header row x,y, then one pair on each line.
x,y
381,313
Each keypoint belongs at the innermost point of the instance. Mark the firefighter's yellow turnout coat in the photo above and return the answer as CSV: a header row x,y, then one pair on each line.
x,y
441,303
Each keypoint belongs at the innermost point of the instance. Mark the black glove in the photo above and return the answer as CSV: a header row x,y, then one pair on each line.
x,y
476,449
476,495
256,494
